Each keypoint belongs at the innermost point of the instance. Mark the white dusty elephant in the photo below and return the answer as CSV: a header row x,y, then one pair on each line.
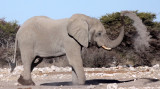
x,y
42,37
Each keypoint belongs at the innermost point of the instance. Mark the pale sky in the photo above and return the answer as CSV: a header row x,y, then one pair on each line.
x,y
21,10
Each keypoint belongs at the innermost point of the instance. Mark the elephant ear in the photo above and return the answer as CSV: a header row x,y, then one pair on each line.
x,y
78,29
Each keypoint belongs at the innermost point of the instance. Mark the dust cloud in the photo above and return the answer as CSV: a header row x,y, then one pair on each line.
x,y
141,41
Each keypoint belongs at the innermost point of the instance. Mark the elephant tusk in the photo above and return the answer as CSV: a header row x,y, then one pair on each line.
x,y
106,48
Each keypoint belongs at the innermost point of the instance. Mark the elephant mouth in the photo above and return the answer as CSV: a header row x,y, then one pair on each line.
x,y
106,48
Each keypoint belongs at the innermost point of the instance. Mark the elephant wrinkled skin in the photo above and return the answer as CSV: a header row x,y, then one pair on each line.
x,y
41,37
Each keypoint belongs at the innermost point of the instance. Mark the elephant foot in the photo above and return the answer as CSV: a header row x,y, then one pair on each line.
x,y
22,81
78,82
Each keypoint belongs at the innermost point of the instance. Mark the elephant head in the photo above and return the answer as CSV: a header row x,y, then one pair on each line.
x,y
85,29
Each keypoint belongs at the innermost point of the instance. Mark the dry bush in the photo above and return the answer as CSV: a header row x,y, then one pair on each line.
x,y
98,57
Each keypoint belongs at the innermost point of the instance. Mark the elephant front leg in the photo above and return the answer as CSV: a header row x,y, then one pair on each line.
x,y
73,53
78,75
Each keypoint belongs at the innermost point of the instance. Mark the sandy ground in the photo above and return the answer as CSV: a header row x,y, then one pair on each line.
x,y
97,78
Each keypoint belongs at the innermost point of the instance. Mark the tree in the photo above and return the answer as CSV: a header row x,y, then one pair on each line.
x,y
112,23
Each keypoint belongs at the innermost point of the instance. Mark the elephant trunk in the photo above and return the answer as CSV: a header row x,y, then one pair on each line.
x,y
114,43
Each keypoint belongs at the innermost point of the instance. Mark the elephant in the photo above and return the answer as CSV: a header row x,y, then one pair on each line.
x,y
42,37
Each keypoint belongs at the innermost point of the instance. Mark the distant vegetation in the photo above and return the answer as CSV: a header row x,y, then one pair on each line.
x,y
7,36
128,54
124,54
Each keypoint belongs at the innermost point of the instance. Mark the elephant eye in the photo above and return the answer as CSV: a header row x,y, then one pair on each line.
x,y
99,34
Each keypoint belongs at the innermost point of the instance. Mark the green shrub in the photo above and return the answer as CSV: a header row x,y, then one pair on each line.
x,y
7,37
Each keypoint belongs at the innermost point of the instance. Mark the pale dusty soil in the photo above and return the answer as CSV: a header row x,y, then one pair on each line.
x,y
97,78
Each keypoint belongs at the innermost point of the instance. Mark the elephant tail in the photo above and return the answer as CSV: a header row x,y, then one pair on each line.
x,y
13,62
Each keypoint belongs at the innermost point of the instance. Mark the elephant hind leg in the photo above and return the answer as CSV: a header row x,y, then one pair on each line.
x,y
35,62
27,58
23,81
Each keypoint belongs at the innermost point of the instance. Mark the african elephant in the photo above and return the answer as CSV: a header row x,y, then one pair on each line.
x,y
42,37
